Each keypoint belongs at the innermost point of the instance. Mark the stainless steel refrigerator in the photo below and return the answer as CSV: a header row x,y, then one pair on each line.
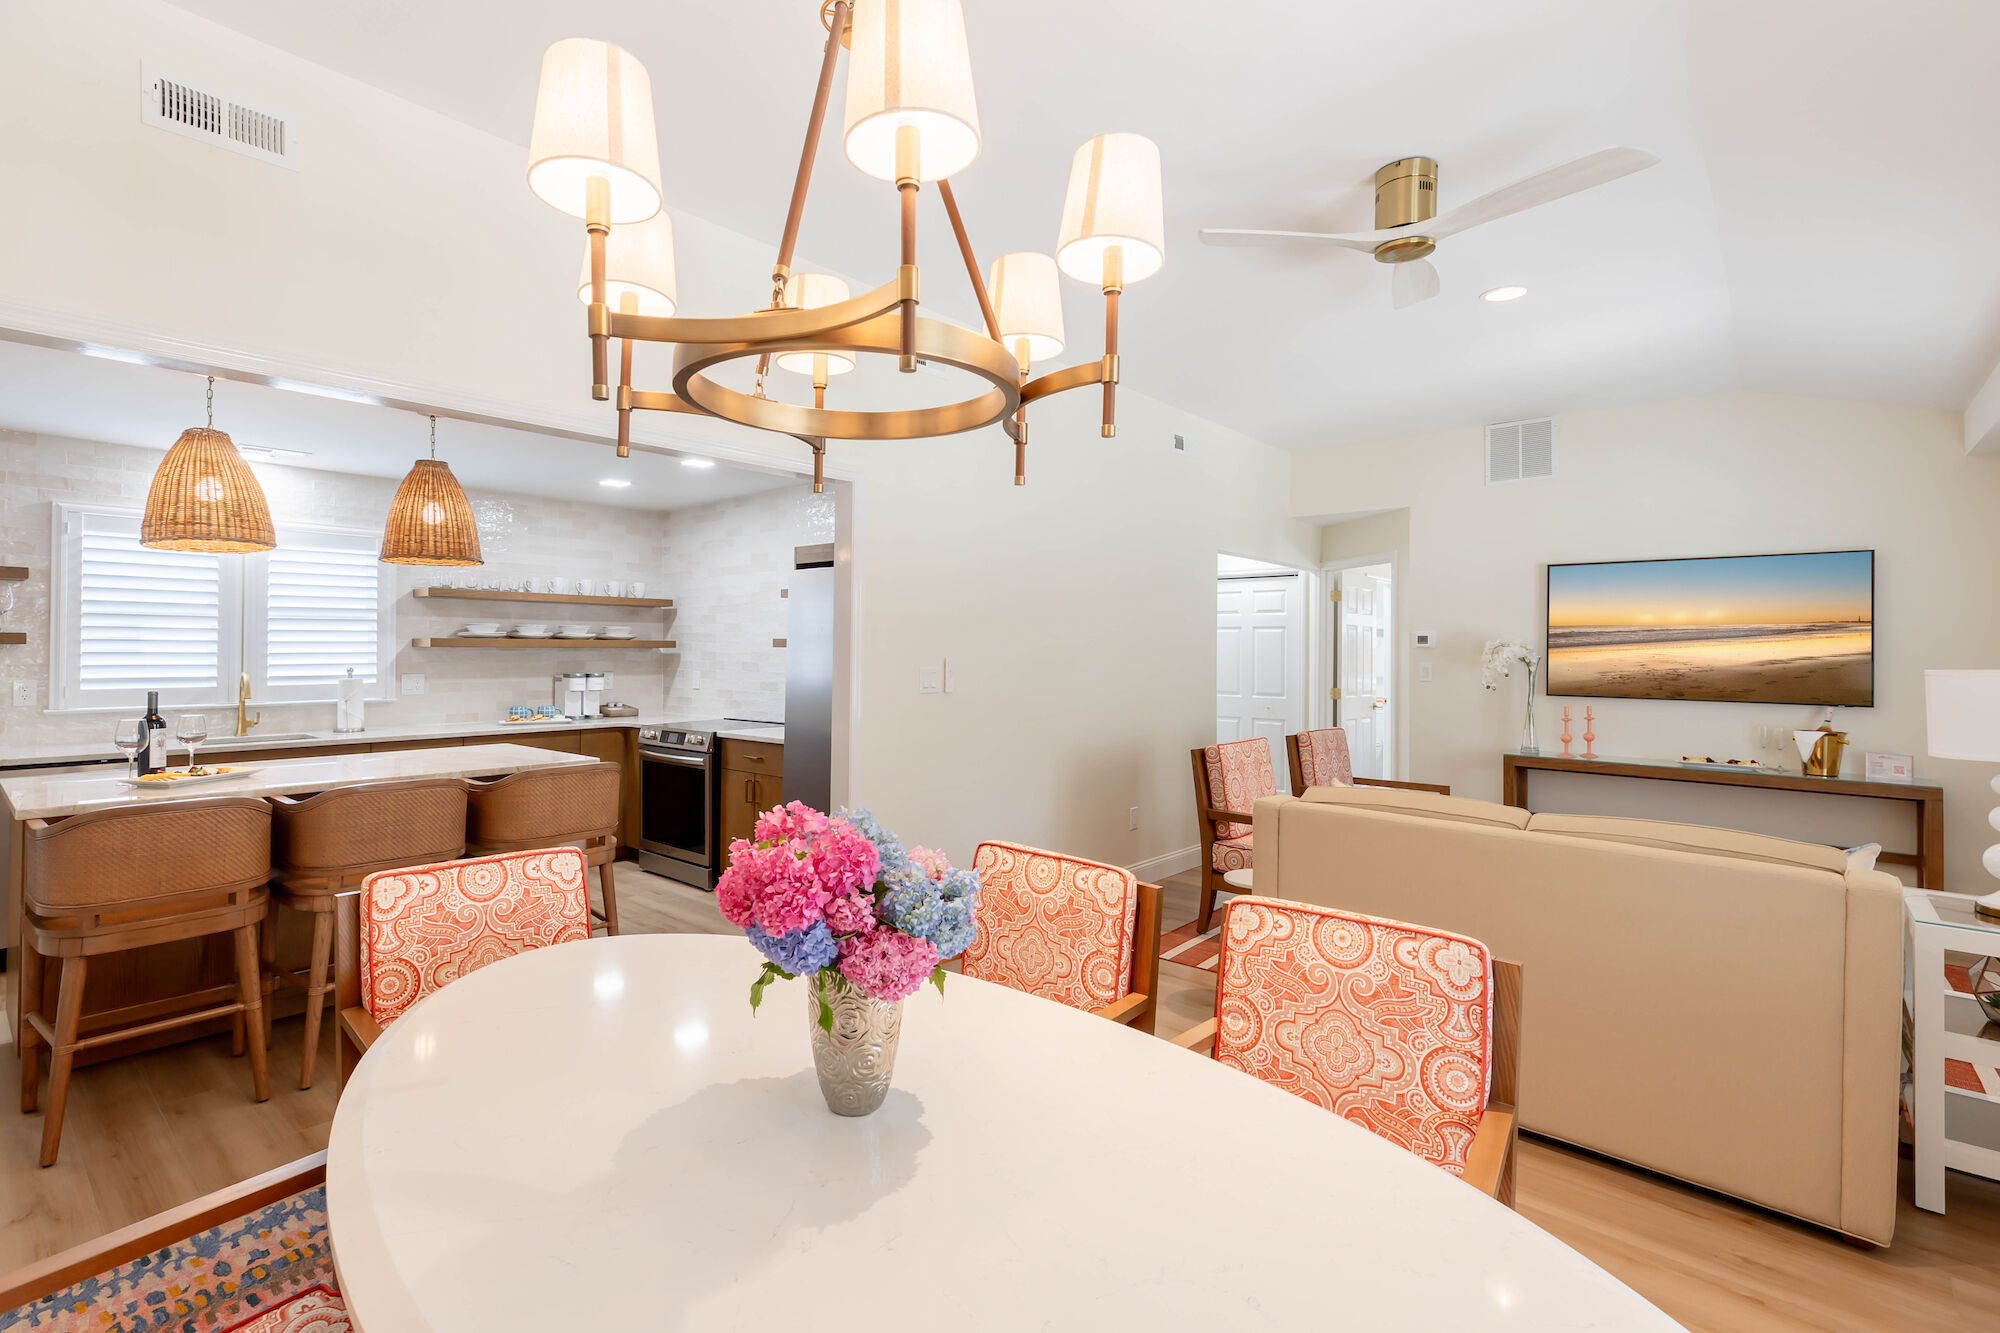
x,y
809,678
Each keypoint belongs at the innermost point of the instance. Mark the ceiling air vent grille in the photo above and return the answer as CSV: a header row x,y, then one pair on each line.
x,y
1521,450
203,112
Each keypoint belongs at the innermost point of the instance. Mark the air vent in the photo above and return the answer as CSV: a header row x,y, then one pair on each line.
x,y
1521,450
202,111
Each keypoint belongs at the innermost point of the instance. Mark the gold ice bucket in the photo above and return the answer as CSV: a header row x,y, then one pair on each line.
x,y
1823,760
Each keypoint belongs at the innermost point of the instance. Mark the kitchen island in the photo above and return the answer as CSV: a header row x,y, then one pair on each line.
x,y
156,976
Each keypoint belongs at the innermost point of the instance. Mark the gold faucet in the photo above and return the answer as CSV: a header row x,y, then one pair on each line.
x,y
243,723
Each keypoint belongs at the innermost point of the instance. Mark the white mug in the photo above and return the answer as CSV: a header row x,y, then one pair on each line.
x,y
531,585
585,588
637,589
559,586
614,588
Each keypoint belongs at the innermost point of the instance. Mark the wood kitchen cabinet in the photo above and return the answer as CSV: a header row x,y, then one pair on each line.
x,y
753,780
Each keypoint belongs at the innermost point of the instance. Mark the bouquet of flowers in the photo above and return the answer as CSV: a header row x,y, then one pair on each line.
x,y
1499,657
838,898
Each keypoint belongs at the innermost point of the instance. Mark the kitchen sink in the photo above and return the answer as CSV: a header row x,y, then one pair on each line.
x,y
261,737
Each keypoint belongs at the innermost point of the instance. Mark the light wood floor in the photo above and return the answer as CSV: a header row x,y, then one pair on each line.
x,y
155,1130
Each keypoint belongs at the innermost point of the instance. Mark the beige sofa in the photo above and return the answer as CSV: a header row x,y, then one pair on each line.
x,y
1723,1007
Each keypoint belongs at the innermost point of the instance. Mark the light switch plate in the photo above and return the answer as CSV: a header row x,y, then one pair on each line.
x,y
1423,671
947,675
413,683
927,680
1132,818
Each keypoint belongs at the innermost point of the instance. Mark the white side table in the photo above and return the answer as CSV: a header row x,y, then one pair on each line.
x,y
1238,880
1944,1024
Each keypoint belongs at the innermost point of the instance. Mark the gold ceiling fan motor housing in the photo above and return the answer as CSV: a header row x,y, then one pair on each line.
x,y
1405,194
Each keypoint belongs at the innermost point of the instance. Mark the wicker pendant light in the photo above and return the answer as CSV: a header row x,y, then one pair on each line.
x,y
204,496
430,520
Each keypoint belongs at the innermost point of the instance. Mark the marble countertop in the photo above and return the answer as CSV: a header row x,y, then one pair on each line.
x,y
72,753
103,786
601,1135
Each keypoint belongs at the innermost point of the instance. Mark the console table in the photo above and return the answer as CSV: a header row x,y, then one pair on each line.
x,y
1926,803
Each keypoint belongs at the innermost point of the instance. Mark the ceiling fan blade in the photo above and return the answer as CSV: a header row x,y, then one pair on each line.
x,y
1247,236
1412,282
1607,164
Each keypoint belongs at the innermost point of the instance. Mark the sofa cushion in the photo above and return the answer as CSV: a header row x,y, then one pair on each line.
x,y
1429,805
1697,838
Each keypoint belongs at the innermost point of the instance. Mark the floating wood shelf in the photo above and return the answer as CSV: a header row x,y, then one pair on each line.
x,y
13,636
566,598
13,573
504,641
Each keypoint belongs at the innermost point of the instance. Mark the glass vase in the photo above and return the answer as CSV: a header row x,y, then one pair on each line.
x,y
1528,745
856,1059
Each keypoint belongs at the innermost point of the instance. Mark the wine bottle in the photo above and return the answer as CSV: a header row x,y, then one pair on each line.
x,y
153,741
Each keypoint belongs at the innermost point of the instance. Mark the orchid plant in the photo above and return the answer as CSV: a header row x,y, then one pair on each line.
x,y
840,899
1499,659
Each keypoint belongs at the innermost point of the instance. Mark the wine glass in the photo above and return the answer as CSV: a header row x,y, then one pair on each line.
x,y
191,729
129,736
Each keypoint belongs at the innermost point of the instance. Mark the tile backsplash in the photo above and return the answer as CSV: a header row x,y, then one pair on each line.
x,y
722,563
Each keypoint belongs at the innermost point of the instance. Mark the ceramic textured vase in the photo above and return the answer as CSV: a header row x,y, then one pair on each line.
x,y
857,1058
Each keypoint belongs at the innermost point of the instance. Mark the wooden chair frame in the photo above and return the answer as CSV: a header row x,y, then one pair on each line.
x,y
1207,816
1489,1163
1298,774
1139,1007
599,846
46,1277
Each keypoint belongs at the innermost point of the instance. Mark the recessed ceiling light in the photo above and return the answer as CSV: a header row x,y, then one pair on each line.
x,y
697,462
1504,294
615,481
269,453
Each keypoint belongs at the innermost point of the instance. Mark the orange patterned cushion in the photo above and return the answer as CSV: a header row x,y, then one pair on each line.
x,y
1231,854
1238,773
1387,1024
426,927
1323,758
1055,926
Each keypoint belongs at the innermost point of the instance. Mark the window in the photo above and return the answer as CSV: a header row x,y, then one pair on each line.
x,y
129,619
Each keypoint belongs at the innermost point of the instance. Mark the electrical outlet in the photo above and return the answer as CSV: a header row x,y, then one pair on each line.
x,y
413,683
927,680
24,694
1423,671
1132,818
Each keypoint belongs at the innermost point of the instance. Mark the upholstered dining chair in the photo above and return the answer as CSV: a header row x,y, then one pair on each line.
x,y
323,846
114,880
1410,1032
1229,778
1078,932
571,806
1320,758
424,928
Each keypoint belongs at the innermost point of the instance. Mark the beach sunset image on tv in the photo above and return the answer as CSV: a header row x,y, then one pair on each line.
x,y
1791,629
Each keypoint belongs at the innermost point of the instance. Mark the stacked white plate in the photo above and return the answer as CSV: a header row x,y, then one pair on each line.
x,y
533,630
574,632
484,629
617,632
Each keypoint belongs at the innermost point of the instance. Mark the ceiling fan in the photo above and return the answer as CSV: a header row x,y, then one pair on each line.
x,y
1408,226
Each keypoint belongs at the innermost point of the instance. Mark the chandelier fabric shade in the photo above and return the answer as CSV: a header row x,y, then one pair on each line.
x,y
638,262
594,119
205,498
430,520
810,291
1027,303
909,65
1113,203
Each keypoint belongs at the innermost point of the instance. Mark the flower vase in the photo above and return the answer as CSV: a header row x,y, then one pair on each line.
x,y
856,1058
1528,745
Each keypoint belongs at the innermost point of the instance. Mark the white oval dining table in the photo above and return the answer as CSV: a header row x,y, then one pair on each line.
x,y
601,1135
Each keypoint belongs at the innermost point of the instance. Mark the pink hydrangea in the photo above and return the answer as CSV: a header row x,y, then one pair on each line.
x,y
772,887
845,861
803,868
887,964
931,862
786,822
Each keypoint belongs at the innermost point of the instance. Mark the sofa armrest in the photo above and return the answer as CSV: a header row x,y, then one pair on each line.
x,y
1871,1055
1438,787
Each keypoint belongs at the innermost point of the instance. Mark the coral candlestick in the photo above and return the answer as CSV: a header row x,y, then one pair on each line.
x,y
1565,735
1589,721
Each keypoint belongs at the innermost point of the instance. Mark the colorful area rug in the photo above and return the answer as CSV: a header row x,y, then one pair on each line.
x,y
1190,946
270,1271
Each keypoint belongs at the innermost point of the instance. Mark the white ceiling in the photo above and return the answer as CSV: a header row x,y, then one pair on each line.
x,y
1825,220
50,392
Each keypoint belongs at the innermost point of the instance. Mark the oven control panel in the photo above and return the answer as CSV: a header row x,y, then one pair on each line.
x,y
675,740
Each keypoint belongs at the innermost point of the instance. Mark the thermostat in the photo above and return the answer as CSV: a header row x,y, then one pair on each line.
x,y
1422,639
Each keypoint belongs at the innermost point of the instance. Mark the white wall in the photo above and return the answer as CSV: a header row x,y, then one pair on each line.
x,y
408,257
1722,475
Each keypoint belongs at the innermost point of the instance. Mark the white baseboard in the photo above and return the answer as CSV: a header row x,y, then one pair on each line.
x,y
1154,869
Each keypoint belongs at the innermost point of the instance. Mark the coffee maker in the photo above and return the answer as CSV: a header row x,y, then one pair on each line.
x,y
570,693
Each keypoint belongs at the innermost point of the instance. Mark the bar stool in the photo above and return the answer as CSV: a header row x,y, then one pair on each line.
x,y
575,805
323,846
114,880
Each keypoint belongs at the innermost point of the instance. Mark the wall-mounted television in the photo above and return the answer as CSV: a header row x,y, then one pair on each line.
x,y
1770,629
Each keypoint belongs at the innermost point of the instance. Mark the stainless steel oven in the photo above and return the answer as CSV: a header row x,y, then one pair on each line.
x,y
677,835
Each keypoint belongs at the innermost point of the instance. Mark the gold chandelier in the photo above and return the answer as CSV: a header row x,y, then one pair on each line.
x,y
910,118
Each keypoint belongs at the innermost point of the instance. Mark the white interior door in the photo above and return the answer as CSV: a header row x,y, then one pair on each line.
x,y
1260,687
1365,630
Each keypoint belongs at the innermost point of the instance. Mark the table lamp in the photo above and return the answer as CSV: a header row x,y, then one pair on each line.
x,y
1963,710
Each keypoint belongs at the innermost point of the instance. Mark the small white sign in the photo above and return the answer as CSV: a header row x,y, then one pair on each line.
x,y
1890,768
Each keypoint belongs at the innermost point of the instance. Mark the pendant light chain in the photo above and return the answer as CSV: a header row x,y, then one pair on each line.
x,y
434,437
211,402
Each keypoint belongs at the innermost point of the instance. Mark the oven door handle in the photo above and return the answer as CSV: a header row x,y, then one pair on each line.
x,y
679,760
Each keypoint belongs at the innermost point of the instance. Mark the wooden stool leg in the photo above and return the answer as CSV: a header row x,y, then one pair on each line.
x,y
346,972
316,988
267,964
610,898
30,1040
1207,899
69,1008
250,988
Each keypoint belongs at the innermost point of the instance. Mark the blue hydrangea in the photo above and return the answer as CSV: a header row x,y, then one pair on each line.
x,y
887,845
941,912
799,952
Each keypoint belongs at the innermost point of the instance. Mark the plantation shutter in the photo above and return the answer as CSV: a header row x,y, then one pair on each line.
x,y
322,612
146,619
